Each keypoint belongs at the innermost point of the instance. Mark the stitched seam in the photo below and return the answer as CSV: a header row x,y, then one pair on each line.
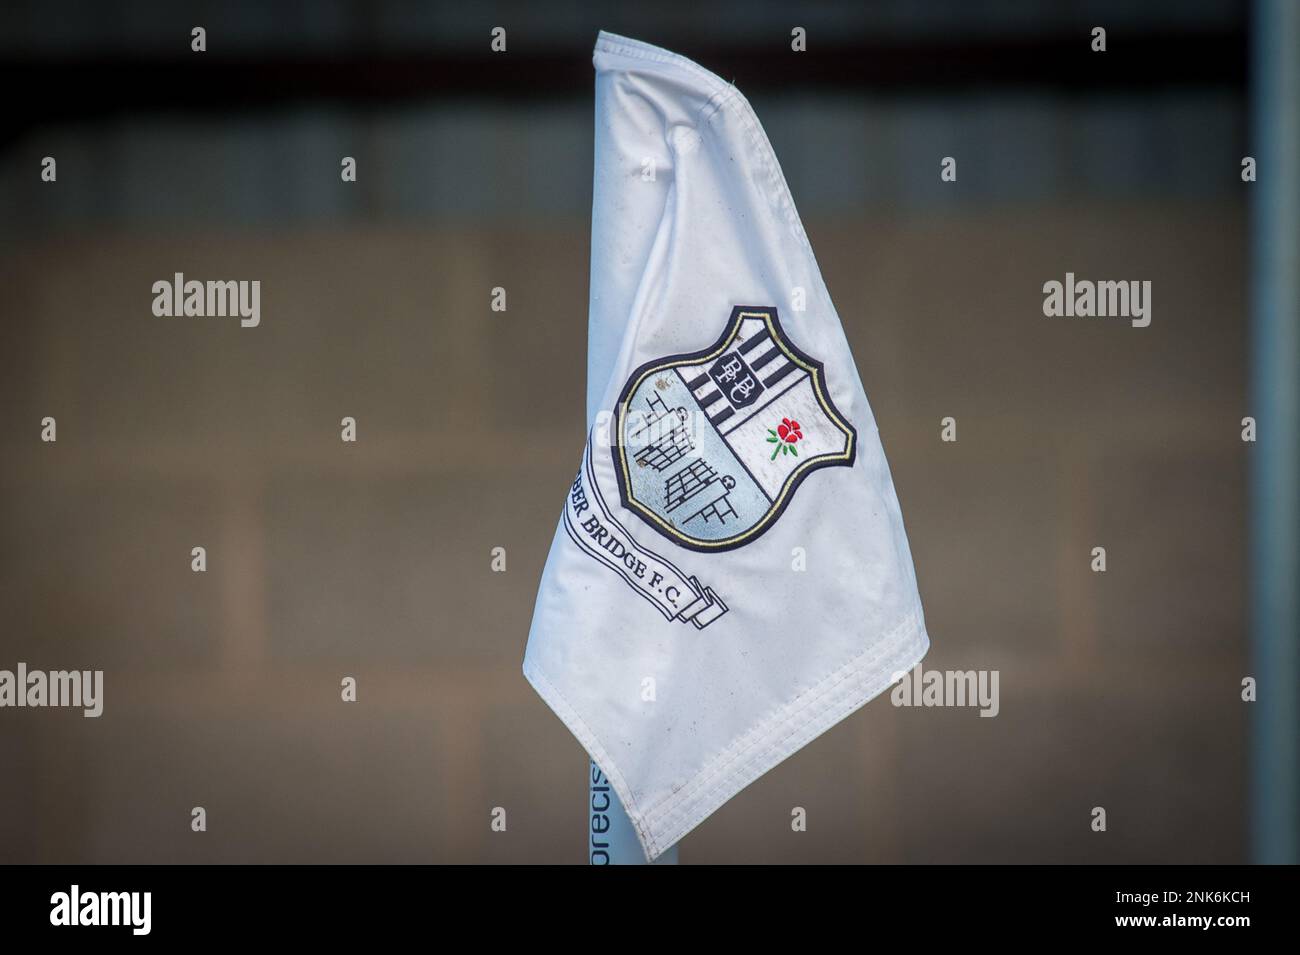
x,y
603,760
789,709
837,681
831,712
723,95
637,50
669,820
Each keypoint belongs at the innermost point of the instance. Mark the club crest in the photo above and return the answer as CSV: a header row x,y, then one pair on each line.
x,y
709,447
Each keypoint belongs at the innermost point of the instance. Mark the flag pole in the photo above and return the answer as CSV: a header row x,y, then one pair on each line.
x,y
611,839
1275,464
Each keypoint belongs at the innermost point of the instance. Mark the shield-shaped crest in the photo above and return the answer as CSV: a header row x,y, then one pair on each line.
x,y
710,446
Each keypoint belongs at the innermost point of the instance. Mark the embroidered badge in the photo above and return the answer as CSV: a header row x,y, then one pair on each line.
x,y
709,447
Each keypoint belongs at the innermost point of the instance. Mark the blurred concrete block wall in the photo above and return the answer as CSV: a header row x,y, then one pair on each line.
x,y
372,559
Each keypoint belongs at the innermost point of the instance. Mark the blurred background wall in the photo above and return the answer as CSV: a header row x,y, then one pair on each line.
x,y
373,559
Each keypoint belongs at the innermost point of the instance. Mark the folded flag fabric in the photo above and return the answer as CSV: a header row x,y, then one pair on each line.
x,y
730,576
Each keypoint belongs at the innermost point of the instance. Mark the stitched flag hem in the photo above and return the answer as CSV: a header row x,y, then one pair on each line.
x,y
792,726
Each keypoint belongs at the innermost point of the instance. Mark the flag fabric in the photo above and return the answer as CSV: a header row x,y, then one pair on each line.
x,y
730,576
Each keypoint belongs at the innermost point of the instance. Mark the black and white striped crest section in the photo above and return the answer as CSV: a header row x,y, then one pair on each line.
x,y
769,364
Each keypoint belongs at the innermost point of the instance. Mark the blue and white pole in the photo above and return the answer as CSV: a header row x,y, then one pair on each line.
x,y
611,840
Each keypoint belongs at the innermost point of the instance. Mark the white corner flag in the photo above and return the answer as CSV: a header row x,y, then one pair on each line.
x,y
730,576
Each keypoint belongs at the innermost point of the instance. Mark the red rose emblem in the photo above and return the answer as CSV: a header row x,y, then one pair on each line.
x,y
784,436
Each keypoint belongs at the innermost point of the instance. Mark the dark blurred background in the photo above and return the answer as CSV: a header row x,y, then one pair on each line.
x,y
373,559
